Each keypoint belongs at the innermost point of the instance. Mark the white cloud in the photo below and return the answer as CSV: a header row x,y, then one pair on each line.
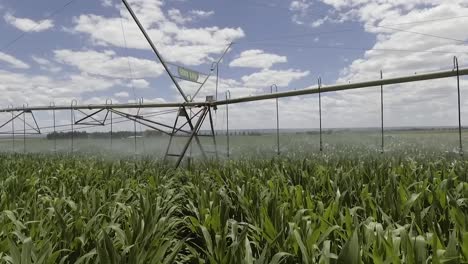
x,y
257,59
177,16
156,100
300,5
47,65
18,88
122,94
28,25
255,83
106,3
398,63
412,104
13,62
267,77
423,103
108,64
140,84
182,44
202,13
237,88
319,22
300,10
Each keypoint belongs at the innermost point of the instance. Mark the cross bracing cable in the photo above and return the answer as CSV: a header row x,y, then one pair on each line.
x,y
128,57
387,26
23,34
305,46
148,114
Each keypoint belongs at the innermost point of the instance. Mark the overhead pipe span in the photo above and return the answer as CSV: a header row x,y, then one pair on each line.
x,y
350,86
323,89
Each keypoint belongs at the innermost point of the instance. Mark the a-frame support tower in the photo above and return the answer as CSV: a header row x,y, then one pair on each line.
x,y
194,123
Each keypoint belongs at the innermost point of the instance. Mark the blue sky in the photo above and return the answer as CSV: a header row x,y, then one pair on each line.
x,y
79,53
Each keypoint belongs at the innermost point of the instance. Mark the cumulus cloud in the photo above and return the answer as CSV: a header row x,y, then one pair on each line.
x,y
257,59
140,84
202,13
108,64
47,65
236,87
267,77
423,103
300,10
182,44
28,25
34,89
177,16
13,62
106,3
413,104
121,94
393,63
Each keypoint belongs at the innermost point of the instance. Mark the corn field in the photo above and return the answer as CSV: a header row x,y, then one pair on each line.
x,y
345,207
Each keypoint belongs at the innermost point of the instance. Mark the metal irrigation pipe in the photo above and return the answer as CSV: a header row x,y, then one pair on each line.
x,y
349,86
332,88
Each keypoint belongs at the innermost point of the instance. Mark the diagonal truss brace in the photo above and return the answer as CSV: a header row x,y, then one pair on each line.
x,y
34,127
94,122
146,122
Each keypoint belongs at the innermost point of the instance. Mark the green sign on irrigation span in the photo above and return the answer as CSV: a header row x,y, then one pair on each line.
x,y
188,75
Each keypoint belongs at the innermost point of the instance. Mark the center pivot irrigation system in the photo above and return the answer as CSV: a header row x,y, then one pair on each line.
x,y
193,114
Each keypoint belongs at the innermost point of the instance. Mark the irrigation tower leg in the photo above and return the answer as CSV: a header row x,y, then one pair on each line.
x,y
55,134
135,137
277,128
24,132
192,133
111,129
213,132
381,114
227,123
320,112
277,122
195,130
72,129
455,65
173,133
13,131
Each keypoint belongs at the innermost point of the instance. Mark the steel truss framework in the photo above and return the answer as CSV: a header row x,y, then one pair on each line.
x,y
193,113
